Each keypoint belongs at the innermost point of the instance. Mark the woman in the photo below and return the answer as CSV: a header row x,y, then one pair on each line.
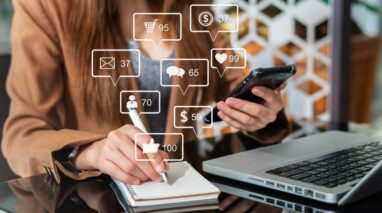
x,y
65,121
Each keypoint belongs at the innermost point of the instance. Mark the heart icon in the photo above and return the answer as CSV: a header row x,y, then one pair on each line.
x,y
221,57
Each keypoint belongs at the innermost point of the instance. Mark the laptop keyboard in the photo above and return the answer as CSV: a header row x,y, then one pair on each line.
x,y
336,168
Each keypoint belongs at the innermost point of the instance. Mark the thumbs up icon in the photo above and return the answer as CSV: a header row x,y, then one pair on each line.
x,y
151,147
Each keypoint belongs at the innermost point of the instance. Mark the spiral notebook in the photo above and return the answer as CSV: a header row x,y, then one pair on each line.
x,y
185,187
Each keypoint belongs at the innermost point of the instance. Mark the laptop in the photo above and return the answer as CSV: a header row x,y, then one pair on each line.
x,y
332,167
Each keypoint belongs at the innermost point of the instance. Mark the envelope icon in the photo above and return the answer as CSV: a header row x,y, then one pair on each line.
x,y
107,63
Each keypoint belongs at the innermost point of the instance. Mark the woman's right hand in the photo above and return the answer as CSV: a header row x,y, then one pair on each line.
x,y
115,156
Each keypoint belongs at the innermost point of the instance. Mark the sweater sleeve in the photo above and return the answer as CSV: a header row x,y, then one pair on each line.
x,y
35,127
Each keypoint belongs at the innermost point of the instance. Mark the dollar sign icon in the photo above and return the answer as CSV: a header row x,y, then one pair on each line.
x,y
184,118
205,18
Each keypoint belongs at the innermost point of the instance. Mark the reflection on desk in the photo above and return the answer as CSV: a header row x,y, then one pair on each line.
x,y
42,194
290,202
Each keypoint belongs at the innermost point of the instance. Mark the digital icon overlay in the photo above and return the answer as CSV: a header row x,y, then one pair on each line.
x,y
187,117
114,63
183,77
150,25
175,151
206,18
223,59
157,30
175,71
151,147
107,63
149,101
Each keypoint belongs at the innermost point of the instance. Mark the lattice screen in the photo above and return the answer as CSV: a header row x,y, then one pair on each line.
x,y
278,32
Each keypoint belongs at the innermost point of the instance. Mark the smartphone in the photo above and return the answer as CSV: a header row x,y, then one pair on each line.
x,y
271,78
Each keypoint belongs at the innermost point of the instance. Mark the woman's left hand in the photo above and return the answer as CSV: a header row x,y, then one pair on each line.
x,y
249,116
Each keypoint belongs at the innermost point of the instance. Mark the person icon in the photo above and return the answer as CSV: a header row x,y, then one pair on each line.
x,y
131,104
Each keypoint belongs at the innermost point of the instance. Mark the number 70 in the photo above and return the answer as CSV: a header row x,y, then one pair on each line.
x,y
146,102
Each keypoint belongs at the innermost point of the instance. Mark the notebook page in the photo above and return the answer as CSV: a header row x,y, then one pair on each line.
x,y
184,181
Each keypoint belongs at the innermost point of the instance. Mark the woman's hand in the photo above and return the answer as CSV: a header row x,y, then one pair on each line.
x,y
115,156
249,116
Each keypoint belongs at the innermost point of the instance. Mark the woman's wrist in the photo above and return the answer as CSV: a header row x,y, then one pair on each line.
x,y
85,158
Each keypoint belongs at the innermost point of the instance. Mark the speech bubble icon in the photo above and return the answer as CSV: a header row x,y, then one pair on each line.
x,y
157,23
144,101
190,117
145,150
115,63
204,18
223,59
175,71
180,77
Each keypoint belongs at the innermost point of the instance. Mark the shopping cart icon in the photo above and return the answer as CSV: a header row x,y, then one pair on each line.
x,y
151,147
150,25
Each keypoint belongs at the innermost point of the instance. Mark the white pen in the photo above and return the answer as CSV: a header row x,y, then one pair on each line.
x,y
139,124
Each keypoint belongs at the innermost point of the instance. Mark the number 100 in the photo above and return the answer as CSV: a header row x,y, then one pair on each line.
x,y
170,147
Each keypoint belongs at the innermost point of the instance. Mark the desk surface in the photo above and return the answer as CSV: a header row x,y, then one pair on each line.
x,y
42,194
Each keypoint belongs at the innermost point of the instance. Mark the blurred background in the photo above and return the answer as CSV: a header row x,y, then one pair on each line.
x,y
277,32
5,56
